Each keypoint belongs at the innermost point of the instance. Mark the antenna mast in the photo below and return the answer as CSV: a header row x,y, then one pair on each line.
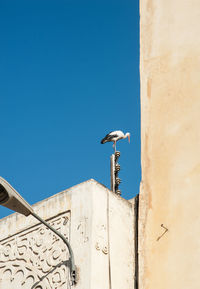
x,y
114,170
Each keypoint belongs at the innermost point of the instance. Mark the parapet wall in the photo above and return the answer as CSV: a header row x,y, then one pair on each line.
x,y
100,228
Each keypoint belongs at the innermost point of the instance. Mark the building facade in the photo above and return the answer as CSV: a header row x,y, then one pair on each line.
x,y
169,223
100,228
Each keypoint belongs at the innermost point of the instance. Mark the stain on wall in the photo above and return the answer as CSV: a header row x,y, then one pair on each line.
x,y
170,112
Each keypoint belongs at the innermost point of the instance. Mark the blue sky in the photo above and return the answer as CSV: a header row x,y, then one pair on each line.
x,y
69,74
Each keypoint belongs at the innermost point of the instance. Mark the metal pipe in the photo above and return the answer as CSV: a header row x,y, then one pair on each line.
x,y
114,170
72,262
112,173
117,169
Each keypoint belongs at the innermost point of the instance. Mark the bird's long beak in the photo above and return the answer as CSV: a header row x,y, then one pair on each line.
x,y
129,139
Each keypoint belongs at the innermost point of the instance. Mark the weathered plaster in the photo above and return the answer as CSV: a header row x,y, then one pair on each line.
x,y
170,108
100,228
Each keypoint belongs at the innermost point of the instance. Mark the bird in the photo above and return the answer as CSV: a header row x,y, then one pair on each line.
x,y
114,136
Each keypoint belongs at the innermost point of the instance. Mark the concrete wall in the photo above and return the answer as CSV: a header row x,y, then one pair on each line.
x,y
100,228
170,106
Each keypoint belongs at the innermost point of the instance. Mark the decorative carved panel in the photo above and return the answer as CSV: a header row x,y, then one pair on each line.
x,y
36,258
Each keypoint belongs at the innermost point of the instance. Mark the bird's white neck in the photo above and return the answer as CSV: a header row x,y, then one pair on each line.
x,y
127,135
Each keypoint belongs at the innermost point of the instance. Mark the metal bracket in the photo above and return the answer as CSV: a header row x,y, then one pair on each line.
x,y
163,232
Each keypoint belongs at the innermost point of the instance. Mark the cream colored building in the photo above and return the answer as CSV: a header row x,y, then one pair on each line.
x,y
169,256
100,228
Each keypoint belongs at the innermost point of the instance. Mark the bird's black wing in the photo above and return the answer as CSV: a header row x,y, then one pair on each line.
x,y
108,138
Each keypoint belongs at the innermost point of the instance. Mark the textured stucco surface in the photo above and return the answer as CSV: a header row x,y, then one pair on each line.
x,y
170,108
100,228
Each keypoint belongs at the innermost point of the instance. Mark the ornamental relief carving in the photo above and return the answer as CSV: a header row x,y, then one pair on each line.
x,y
36,258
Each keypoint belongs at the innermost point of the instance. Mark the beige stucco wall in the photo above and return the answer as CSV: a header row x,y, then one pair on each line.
x,y
170,107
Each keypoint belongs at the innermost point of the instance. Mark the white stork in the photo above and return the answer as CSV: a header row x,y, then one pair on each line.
x,y
114,136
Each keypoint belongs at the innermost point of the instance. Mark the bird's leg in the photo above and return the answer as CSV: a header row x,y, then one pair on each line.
x,y
114,144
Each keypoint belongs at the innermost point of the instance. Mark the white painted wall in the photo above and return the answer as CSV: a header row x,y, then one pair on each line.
x,y
100,228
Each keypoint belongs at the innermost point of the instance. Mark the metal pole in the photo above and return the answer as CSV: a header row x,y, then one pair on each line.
x,y
72,263
114,170
117,169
